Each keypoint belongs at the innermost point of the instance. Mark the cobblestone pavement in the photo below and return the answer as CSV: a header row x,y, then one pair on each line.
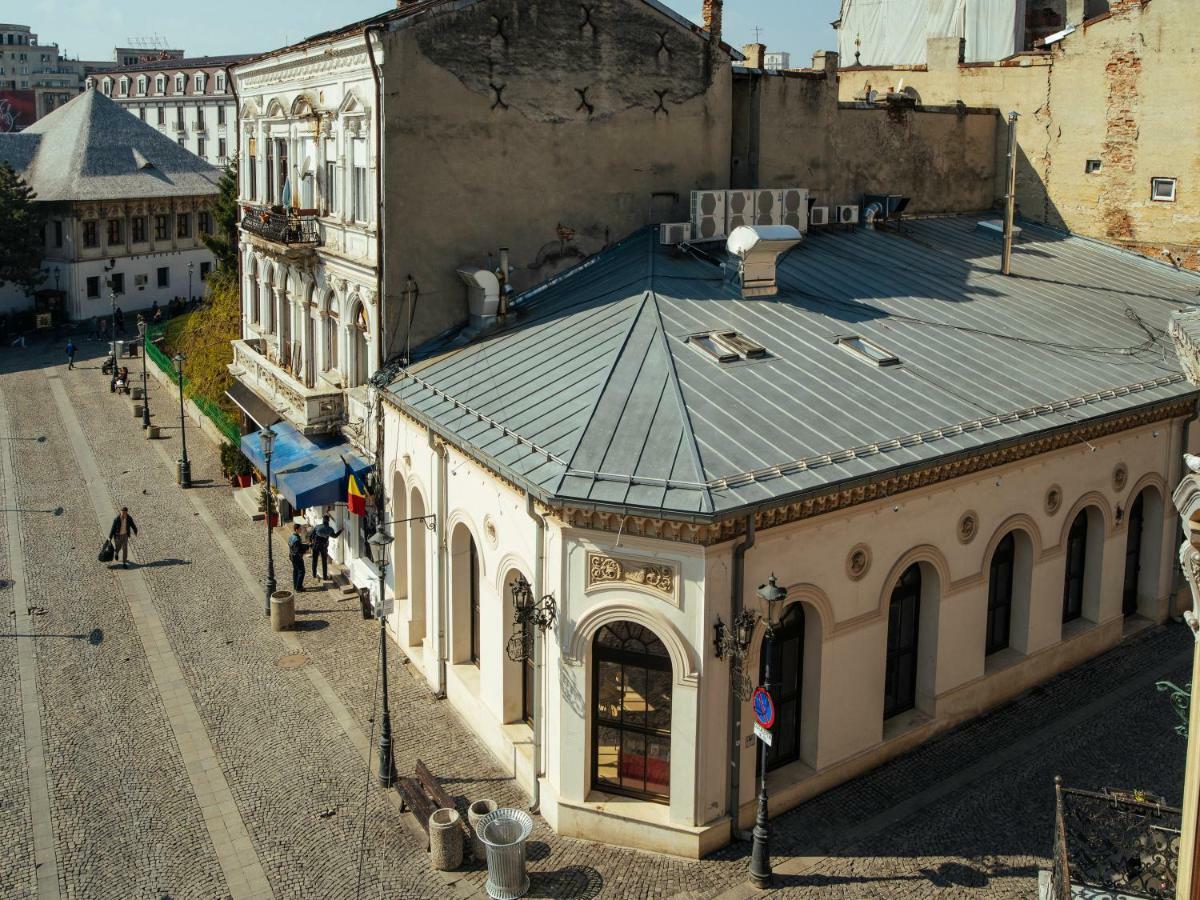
x,y
965,815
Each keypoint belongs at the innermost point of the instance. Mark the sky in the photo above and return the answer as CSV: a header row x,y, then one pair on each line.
x,y
89,29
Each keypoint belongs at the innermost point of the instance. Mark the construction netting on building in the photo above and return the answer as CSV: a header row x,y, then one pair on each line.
x,y
895,32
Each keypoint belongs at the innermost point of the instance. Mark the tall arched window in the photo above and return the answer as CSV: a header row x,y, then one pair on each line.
x,y
254,292
787,680
900,683
1133,556
475,629
107,87
631,712
1000,594
160,84
331,336
141,85
1076,568
362,348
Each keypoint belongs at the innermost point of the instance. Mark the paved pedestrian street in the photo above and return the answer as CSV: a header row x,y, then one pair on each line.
x,y
152,745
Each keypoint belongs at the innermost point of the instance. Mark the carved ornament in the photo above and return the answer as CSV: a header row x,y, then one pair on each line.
x,y
968,527
1120,477
1054,497
605,570
858,561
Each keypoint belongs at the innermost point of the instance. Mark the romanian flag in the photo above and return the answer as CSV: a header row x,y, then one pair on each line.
x,y
356,500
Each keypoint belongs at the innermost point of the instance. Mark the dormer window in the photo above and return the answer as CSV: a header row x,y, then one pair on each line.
x,y
199,83
180,83
107,87
141,86
868,350
220,82
160,84
124,87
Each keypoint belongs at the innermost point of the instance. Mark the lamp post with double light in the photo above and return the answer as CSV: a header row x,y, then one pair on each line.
x,y
145,389
380,543
266,440
185,467
760,851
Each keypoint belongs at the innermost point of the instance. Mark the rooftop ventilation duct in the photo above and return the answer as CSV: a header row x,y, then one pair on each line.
x,y
483,293
759,248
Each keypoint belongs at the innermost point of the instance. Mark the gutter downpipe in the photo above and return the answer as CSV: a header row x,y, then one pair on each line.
x,y
735,705
1176,464
539,653
443,455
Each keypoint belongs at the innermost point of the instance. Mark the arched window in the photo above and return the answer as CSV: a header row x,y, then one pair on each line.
x,y
416,569
1133,556
1000,594
199,83
900,683
254,292
331,337
362,349
1076,568
631,712
787,684
474,587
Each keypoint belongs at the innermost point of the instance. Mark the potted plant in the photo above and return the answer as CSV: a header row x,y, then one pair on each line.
x,y
266,500
234,465
243,471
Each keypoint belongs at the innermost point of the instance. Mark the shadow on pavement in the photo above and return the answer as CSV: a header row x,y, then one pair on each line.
x,y
567,883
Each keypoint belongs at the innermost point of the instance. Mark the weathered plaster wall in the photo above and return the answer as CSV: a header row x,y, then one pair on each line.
x,y
790,130
1111,91
545,127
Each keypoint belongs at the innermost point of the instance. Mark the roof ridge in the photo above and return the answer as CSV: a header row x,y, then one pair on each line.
x,y
599,395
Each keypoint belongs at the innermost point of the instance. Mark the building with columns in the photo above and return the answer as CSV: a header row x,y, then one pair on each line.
x,y
959,480
126,208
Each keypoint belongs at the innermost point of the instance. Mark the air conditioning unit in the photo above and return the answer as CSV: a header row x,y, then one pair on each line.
x,y
675,233
766,207
793,208
708,215
739,209
847,214
818,215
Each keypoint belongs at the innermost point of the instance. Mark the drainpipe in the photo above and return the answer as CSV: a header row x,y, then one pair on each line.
x,y
735,705
443,604
1010,201
539,653
377,77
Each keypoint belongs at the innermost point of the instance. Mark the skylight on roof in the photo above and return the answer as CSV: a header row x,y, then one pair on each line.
x,y
727,346
868,350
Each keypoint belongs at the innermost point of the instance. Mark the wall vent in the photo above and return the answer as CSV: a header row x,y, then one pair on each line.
x,y
759,249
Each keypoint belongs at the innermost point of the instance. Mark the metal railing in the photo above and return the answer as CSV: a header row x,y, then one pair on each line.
x,y
282,226
1119,841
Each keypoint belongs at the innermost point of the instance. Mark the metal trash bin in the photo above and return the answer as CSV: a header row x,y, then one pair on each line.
x,y
505,833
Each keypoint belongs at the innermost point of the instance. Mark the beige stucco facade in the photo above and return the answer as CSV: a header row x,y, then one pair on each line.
x,y
842,566
1109,92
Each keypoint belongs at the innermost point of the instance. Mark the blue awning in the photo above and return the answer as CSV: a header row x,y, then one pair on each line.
x,y
307,471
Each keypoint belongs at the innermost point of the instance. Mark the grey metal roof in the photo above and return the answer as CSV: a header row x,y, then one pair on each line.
x,y
593,395
92,149
186,62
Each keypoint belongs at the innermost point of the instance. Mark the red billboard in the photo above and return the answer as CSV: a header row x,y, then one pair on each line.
x,y
18,109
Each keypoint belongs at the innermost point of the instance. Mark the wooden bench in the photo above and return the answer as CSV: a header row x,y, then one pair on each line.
x,y
422,793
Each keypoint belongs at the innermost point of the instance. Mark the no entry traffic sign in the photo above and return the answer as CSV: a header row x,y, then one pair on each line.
x,y
764,708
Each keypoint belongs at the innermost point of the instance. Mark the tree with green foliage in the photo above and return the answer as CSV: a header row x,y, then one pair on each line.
x,y
223,242
21,235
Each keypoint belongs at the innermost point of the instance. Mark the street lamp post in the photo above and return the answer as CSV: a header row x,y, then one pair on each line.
x,y
185,467
112,343
760,851
145,390
380,543
191,265
266,439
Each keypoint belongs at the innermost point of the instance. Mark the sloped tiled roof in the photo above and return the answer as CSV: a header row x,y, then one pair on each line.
x,y
594,396
92,149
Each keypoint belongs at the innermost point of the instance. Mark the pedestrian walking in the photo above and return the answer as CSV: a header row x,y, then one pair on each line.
x,y
123,528
320,537
102,328
119,317
70,354
296,548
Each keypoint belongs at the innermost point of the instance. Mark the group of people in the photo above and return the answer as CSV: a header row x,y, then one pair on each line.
x,y
317,543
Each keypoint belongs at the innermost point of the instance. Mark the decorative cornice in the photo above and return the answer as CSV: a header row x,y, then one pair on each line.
x,y
325,62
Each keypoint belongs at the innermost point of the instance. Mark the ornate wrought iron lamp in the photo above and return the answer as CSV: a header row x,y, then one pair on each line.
x,y
528,612
734,642
266,439
760,851
381,543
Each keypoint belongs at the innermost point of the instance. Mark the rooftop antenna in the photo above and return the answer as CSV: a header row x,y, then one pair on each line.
x,y
757,34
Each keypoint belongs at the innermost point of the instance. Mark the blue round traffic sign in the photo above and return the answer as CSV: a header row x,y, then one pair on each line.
x,y
764,708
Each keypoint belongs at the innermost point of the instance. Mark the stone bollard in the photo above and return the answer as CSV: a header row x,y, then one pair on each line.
x,y
152,433
136,393
475,812
137,410
445,840
283,610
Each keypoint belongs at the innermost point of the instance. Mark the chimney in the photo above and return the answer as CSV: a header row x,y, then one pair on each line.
x,y
826,61
759,248
713,11
755,56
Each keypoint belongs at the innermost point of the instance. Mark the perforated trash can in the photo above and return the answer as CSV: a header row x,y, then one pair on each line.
x,y
504,833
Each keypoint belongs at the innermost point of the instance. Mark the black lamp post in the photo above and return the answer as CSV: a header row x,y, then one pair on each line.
x,y
760,851
185,467
266,439
191,265
145,390
380,543
112,343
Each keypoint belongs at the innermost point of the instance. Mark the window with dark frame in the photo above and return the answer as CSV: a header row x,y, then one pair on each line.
x,y
164,276
1076,568
161,224
904,611
137,226
1000,594
114,232
787,686
1092,166
474,600
93,286
91,233
183,225
631,712
116,282
1133,556
204,221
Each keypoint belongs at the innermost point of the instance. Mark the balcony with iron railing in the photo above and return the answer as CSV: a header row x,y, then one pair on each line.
x,y
1112,844
288,228
277,377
